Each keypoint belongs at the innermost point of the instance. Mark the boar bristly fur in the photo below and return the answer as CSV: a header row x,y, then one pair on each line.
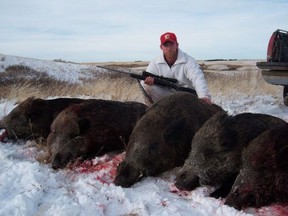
x,y
31,119
215,158
263,178
91,129
161,140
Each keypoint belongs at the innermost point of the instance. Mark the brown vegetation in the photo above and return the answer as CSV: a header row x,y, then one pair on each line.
x,y
224,78
19,82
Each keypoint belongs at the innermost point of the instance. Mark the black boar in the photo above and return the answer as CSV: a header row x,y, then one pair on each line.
x,y
91,129
263,178
31,119
161,140
215,158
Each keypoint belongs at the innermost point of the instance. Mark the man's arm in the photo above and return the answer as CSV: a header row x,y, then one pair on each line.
x,y
196,76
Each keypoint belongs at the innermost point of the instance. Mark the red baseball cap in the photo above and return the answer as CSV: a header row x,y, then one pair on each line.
x,y
168,36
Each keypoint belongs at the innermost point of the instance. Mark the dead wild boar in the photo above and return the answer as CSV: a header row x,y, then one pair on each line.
x,y
91,129
215,158
263,178
161,140
31,119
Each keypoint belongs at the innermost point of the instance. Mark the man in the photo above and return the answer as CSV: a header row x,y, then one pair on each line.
x,y
174,63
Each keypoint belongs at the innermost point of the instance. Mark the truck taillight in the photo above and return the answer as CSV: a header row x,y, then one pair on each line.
x,y
277,50
271,46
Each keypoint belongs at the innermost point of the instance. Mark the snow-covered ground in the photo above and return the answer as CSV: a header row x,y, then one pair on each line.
x,y
30,188
68,72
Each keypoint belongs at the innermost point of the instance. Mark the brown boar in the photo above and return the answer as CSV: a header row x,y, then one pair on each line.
x,y
263,178
31,119
91,129
215,158
161,140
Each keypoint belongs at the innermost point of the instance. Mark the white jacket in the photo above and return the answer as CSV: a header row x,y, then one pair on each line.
x,y
186,70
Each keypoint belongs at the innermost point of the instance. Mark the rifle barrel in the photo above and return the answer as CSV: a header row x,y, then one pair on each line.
x,y
112,69
137,76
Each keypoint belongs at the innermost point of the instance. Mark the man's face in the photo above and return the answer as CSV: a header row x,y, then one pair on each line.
x,y
169,48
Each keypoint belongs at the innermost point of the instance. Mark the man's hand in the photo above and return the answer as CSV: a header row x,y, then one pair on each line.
x,y
206,100
149,80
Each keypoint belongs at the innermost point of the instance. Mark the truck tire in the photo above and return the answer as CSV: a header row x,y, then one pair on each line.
x,y
285,95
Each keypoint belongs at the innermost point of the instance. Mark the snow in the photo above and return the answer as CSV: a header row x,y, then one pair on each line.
x,y
69,72
28,187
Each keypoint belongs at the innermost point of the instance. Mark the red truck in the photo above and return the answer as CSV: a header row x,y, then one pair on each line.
x,y
275,69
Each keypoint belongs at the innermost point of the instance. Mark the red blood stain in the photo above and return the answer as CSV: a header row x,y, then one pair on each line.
x,y
104,167
3,135
273,210
163,203
174,189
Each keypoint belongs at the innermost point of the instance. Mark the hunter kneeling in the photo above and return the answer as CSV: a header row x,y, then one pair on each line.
x,y
174,63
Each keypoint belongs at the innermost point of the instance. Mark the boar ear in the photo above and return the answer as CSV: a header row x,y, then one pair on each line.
x,y
38,103
174,131
230,140
230,134
36,113
84,124
36,109
282,152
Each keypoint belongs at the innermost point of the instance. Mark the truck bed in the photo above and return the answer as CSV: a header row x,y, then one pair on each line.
x,y
275,73
274,66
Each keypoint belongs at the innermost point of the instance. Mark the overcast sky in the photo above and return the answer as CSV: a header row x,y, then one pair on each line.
x,y
129,30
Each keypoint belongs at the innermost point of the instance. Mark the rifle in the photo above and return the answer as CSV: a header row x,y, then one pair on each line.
x,y
158,80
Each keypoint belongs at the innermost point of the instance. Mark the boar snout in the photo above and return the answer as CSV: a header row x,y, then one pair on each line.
x,y
127,175
184,181
60,161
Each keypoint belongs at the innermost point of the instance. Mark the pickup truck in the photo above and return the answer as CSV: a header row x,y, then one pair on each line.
x,y
275,69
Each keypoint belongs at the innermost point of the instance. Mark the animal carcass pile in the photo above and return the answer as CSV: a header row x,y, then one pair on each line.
x,y
243,157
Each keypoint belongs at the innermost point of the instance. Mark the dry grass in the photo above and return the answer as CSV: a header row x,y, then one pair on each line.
x,y
249,83
230,78
16,83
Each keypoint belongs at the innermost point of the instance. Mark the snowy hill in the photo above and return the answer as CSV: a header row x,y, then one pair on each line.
x,y
69,72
